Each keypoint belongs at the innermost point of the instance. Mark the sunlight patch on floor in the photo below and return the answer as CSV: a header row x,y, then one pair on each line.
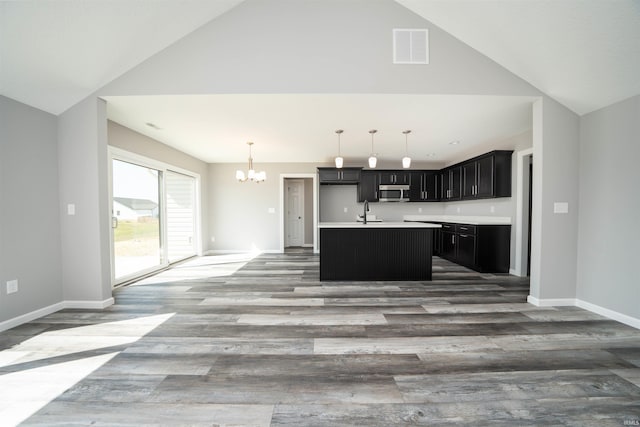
x,y
82,338
204,267
23,393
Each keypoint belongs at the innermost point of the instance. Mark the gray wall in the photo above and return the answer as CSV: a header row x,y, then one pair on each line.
x,y
29,214
83,163
556,177
132,141
608,234
239,217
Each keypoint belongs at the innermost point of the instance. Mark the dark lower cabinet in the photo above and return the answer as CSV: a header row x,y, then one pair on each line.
x,y
467,250
484,248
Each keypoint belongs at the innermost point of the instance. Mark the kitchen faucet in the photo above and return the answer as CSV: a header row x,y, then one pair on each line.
x,y
366,209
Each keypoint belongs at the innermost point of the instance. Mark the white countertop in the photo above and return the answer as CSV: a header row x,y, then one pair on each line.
x,y
473,220
383,224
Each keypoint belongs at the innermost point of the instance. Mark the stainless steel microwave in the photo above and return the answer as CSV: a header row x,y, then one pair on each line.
x,y
393,193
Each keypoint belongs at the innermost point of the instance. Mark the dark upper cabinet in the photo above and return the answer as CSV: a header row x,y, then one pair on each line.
x,y
368,186
395,177
487,176
339,176
451,179
424,186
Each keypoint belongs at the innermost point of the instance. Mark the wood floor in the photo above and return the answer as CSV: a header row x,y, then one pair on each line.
x,y
222,341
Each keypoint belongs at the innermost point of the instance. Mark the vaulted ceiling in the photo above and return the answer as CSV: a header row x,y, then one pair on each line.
x,y
584,54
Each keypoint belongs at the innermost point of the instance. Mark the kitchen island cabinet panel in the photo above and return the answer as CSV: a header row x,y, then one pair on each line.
x,y
367,253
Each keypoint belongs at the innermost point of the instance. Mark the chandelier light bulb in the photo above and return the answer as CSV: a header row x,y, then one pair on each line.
x,y
252,175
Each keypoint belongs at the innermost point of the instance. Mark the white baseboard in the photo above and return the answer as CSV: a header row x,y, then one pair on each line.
x,y
564,302
90,305
36,314
551,302
45,311
622,318
307,245
240,251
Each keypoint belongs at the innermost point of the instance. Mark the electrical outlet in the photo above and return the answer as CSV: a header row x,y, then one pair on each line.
x,y
458,209
271,210
419,210
213,239
12,286
71,209
493,209
346,210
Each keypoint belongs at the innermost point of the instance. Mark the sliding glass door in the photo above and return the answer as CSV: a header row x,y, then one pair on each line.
x,y
154,215
136,219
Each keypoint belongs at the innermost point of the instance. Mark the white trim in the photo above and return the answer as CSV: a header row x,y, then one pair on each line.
x,y
45,311
284,176
36,314
622,318
551,302
512,272
307,245
90,305
241,251
519,268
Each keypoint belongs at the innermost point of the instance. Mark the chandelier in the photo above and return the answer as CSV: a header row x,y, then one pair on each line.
x,y
252,175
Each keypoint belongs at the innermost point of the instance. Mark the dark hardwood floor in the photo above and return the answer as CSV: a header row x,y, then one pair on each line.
x,y
216,341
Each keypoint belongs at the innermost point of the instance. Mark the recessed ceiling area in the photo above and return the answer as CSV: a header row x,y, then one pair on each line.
x,y
301,127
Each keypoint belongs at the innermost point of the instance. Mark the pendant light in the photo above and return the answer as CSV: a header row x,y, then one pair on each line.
x,y
406,160
373,161
339,159
252,175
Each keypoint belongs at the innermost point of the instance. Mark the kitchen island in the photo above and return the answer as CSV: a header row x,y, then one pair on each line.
x,y
376,250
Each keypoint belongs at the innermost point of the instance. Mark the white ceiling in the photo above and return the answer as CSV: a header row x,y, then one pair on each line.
x,y
301,128
55,53
585,54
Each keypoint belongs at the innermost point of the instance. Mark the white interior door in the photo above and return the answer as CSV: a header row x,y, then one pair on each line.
x,y
295,212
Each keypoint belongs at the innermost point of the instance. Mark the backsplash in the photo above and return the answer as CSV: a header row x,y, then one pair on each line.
x,y
335,198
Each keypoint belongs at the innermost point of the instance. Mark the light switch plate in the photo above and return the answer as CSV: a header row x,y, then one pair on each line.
x,y
71,209
561,207
272,210
12,286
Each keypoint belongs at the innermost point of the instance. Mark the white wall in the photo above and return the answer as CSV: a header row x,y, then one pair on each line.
x,y
29,215
134,142
239,217
608,233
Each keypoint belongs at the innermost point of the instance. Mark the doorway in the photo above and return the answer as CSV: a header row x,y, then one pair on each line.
x,y
299,216
524,208
294,235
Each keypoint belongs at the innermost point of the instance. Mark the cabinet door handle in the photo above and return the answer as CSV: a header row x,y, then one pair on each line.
x,y
376,194
453,239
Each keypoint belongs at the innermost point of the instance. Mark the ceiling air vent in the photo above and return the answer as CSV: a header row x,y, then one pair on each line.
x,y
410,46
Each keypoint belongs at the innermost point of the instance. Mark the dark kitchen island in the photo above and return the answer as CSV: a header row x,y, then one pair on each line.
x,y
376,251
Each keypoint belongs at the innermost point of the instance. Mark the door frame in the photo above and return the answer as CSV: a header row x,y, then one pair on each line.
x,y
300,182
313,176
116,153
522,199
